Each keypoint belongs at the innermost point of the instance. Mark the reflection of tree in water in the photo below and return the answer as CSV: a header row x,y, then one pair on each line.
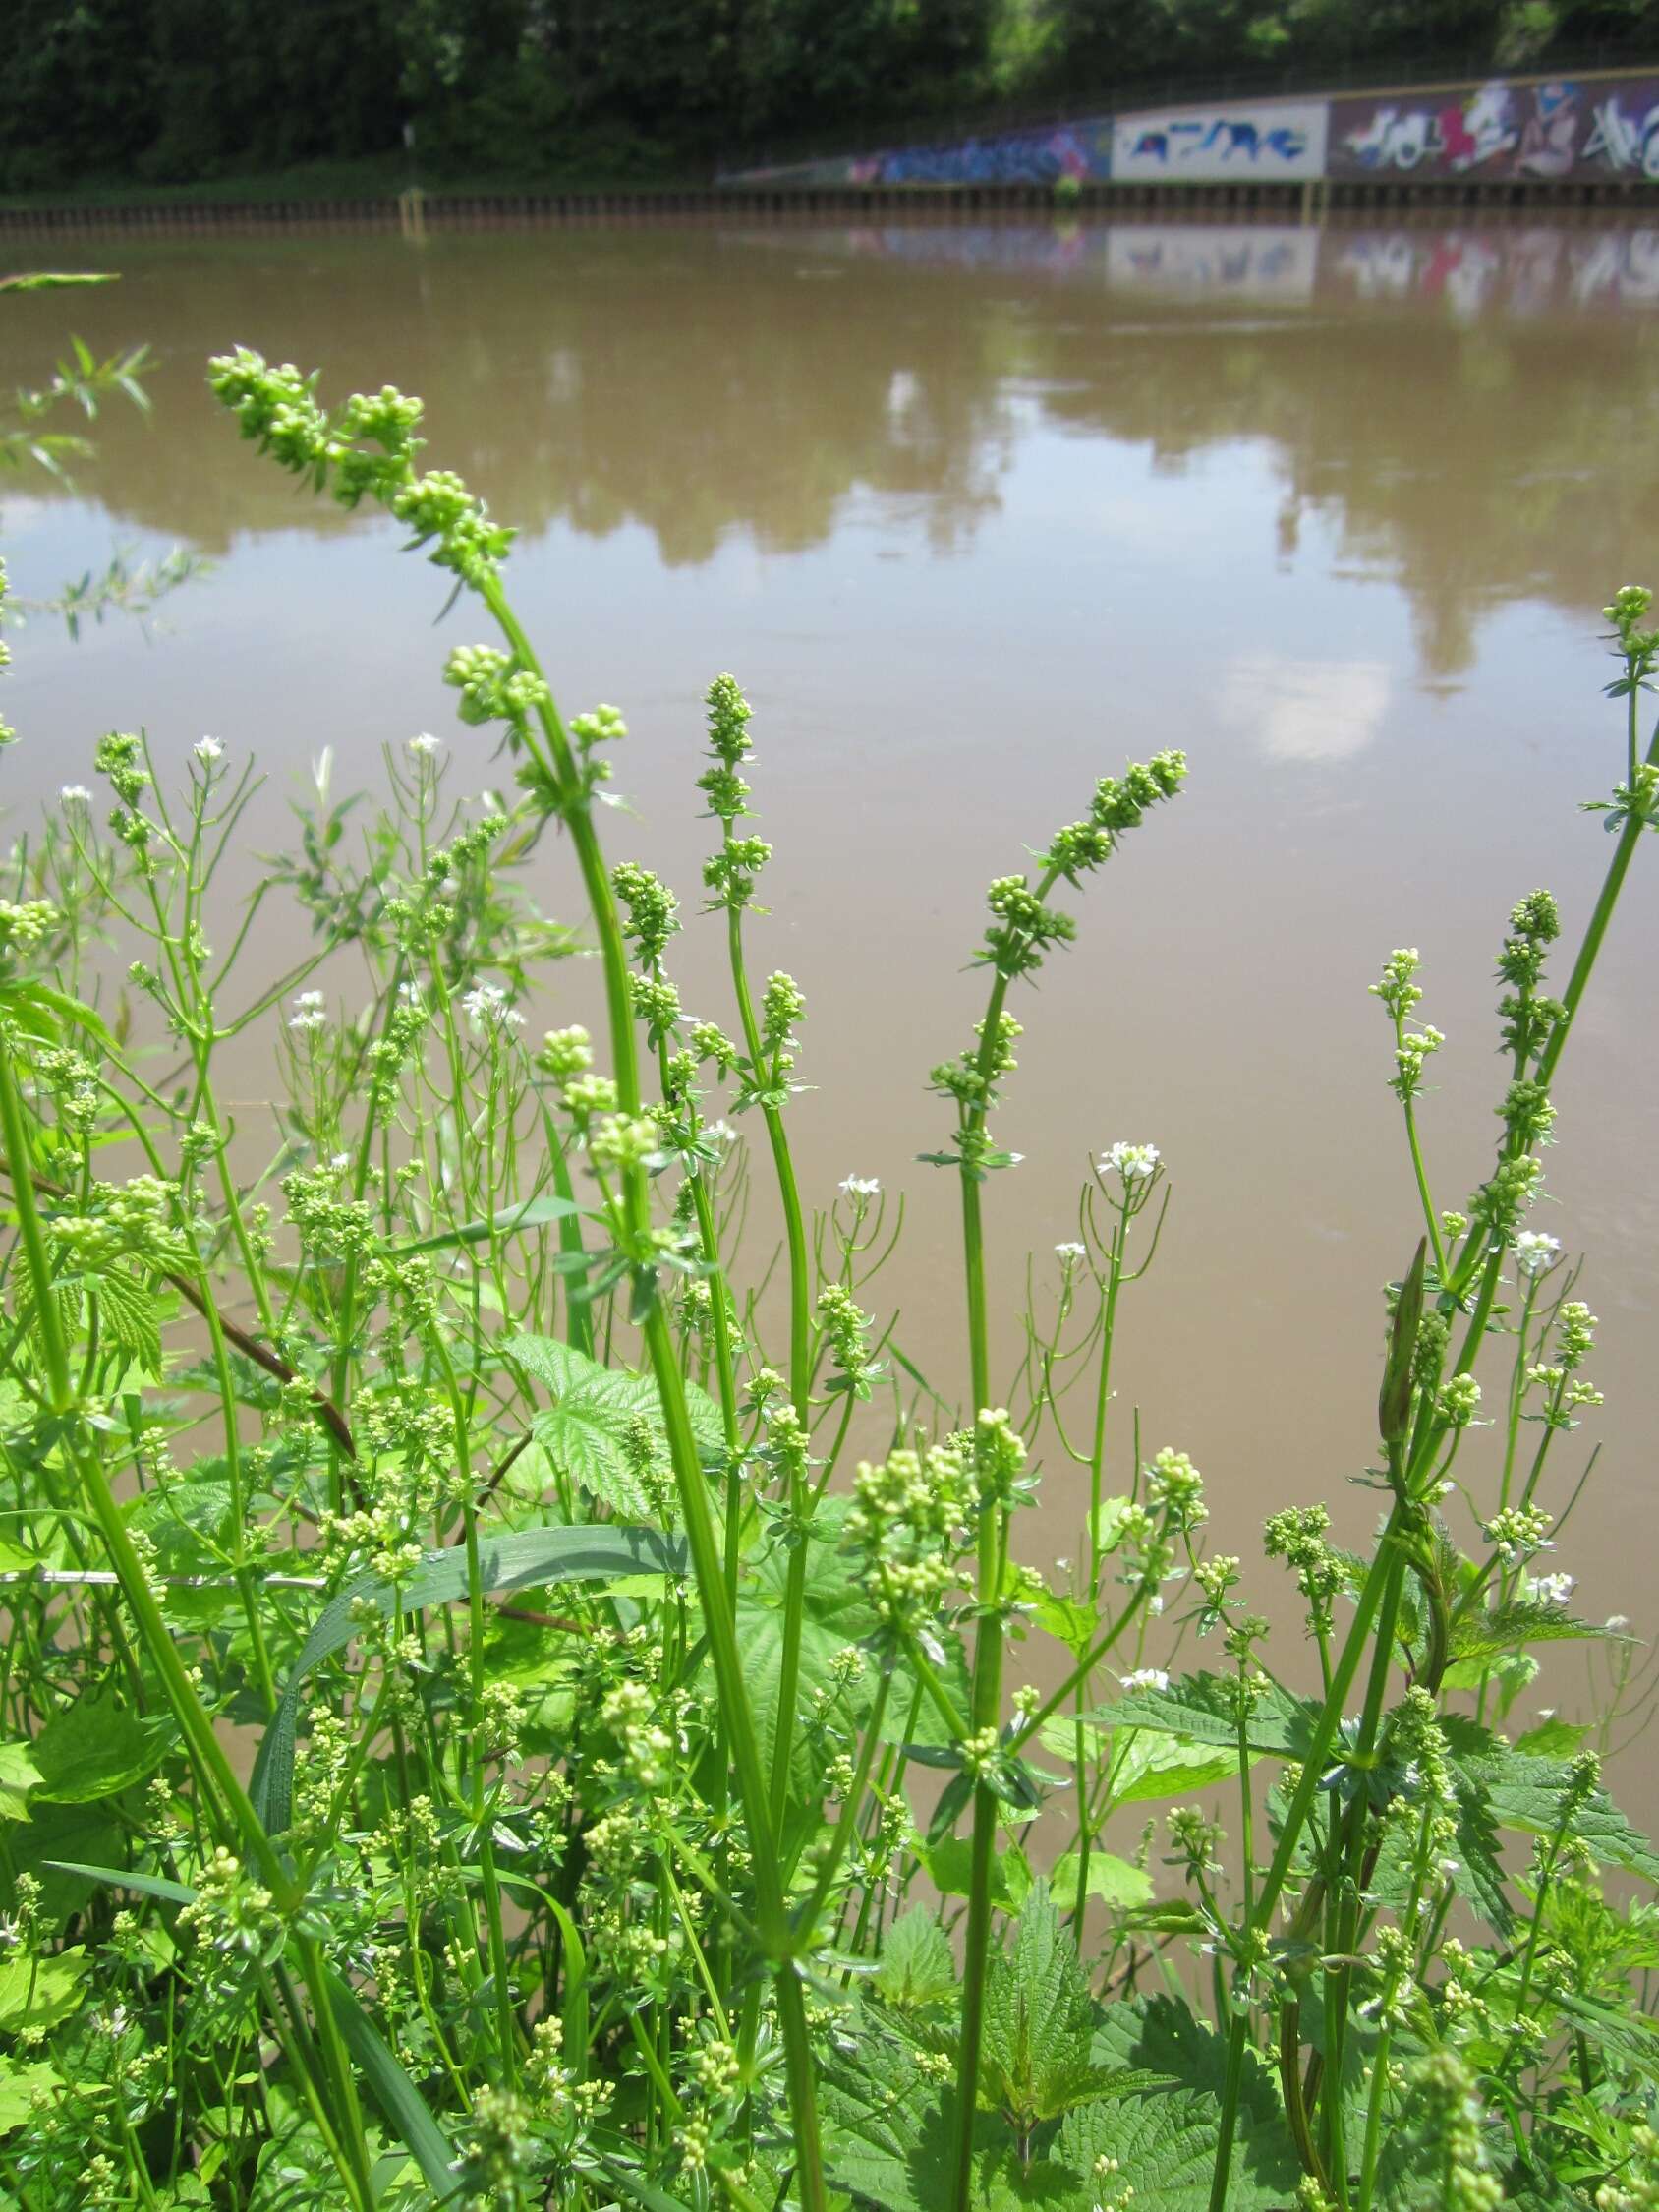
x,y
699,385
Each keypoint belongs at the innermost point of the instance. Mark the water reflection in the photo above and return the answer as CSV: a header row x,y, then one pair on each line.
x,y
710,383
975,512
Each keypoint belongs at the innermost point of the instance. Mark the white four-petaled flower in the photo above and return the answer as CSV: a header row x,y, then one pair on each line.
x,y
207,750
1535,1252
1145,1678
861,1186
1133,1162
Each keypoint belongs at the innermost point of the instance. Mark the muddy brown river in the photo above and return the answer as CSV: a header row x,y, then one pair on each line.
x,y
975,513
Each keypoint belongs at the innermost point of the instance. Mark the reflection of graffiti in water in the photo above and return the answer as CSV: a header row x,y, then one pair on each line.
x,y
1528,272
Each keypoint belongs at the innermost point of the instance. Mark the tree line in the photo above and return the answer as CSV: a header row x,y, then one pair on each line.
x,y
177,91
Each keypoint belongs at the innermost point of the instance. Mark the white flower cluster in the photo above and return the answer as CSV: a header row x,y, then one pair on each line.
x,y
1135,1163
310,1011
488,1009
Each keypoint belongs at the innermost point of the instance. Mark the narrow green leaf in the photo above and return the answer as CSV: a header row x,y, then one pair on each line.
x,y
512,1560
404,2107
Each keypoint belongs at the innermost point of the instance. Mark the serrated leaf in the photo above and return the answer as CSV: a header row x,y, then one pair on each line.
x,y
759,1640
1490,1635
129,1319
950,1869
917,1968
507,1561
1146,1768
1527,1792
594,1406
1201,1708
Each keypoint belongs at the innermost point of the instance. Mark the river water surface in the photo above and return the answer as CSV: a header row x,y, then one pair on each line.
x,y
975,515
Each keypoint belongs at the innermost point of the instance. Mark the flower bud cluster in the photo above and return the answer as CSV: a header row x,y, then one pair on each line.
x,y
1175,1487
651,909
845,1326
1519,1531
907,1527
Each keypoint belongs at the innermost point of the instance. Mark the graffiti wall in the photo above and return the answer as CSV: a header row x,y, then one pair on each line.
x,y
1081,150
1555,128
1577,129
1275,140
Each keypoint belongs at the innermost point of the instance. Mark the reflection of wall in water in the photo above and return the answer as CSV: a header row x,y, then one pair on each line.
x,y
1245,261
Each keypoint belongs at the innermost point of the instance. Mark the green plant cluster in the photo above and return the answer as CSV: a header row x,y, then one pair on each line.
x,y
506,1704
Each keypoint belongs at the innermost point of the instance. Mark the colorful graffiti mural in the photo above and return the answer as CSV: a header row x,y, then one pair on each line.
x,y
1553,128
1276,140
1543,130
1081,150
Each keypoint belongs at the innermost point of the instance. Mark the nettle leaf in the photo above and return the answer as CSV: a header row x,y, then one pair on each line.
x,y
759,1640
1489,1635
1527,1792
887,2132
917,1968
583,1431
1202,1708
1034,2062
1165,2140
129,1319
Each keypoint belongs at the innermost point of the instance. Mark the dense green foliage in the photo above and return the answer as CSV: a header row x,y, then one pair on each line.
x,y
178,91
473,1730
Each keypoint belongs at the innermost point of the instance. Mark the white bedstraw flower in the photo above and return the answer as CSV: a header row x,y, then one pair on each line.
x,y
861,1186
424,747
1554,1589
1133,1162
1145,1678
487,1009
1155,1604
76,794
1535,1252
1068,1254
207,750
309,1012
1618,1622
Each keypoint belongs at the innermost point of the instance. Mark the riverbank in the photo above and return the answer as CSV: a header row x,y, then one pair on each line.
x,y
416,212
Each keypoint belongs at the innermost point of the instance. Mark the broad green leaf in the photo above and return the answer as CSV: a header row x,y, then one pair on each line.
x,y
1553,1738
760,1639
18,1774
917,1966
129,1317
1146,1768
1201,1708
18,2085
55,1836
1527,1792
1068,1620
887,2132
509,1560
1034,2060
594,1406
95,1748
1488,1636
1165,2144
38,1993
1113,1880
949,1866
